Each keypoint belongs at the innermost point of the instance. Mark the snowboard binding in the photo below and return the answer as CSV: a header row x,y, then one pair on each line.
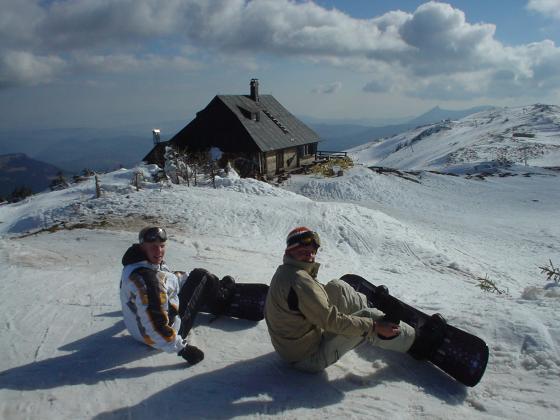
x,y
387,304
223,295
429,337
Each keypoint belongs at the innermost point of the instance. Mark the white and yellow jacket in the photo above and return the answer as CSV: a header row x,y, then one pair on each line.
x,y
150,302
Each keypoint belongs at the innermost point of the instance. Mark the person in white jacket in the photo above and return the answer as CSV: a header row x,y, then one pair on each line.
x,y
159,306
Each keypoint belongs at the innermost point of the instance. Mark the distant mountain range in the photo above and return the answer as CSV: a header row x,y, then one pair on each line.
x,y
17,170
74,149
345,136
43,152
527,135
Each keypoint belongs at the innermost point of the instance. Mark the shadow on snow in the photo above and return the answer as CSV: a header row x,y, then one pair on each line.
x,y
262,385
95,358
265,385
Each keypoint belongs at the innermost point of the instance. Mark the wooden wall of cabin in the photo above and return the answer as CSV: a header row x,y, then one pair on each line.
x,y
290,159
270,162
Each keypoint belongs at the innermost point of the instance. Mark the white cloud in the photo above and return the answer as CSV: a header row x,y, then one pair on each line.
x,y
285,27
119,63
548,8
24,68
18,22
434,50
436,42
328,88
78,24
443,42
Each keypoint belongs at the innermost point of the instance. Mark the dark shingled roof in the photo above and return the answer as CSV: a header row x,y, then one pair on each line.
x,y
275,129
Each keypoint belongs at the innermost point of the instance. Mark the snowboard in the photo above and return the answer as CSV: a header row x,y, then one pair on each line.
x,y
247,302
461,355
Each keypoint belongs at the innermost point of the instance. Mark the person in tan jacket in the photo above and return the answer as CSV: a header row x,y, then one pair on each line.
x,y
312,325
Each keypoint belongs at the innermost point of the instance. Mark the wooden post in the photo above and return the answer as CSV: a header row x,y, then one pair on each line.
x,y
97,187
213,174
137,180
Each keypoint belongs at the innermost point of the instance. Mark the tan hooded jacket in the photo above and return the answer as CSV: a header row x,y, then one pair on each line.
x,y
298,311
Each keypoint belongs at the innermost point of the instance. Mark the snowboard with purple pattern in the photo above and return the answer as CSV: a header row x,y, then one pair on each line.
x,y
461,355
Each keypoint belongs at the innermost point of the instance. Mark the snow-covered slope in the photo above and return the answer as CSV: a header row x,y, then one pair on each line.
x,y
524,135
65,353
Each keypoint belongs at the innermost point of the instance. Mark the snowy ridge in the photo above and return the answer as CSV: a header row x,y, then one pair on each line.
x,y
62,339
522,135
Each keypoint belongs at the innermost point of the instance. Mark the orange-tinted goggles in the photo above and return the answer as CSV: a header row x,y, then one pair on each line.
x,y
309,238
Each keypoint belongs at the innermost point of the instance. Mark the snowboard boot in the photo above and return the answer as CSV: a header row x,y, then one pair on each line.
x,y
227,286
428,337
191,354
224,296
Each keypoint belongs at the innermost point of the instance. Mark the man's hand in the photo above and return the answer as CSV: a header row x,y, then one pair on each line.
x,y
386,329
191,354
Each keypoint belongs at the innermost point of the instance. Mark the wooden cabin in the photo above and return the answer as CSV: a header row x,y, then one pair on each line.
x,y
254,132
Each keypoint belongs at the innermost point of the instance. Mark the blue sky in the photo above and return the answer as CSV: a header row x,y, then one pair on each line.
x,y
101,63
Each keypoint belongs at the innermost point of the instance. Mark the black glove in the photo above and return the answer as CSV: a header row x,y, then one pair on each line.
x,y
191,354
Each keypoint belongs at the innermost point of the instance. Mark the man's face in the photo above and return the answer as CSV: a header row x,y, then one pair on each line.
x,y
305,253
155,251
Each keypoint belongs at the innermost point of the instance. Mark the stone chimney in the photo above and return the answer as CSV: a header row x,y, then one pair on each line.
x,y
255,90
156,135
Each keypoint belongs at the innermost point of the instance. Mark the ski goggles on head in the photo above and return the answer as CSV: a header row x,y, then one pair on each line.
x,y
304,239
152,234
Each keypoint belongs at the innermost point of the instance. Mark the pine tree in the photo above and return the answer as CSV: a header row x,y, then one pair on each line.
x,y
59,183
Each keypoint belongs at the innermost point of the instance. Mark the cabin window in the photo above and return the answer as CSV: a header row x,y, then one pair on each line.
x,y
307,149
